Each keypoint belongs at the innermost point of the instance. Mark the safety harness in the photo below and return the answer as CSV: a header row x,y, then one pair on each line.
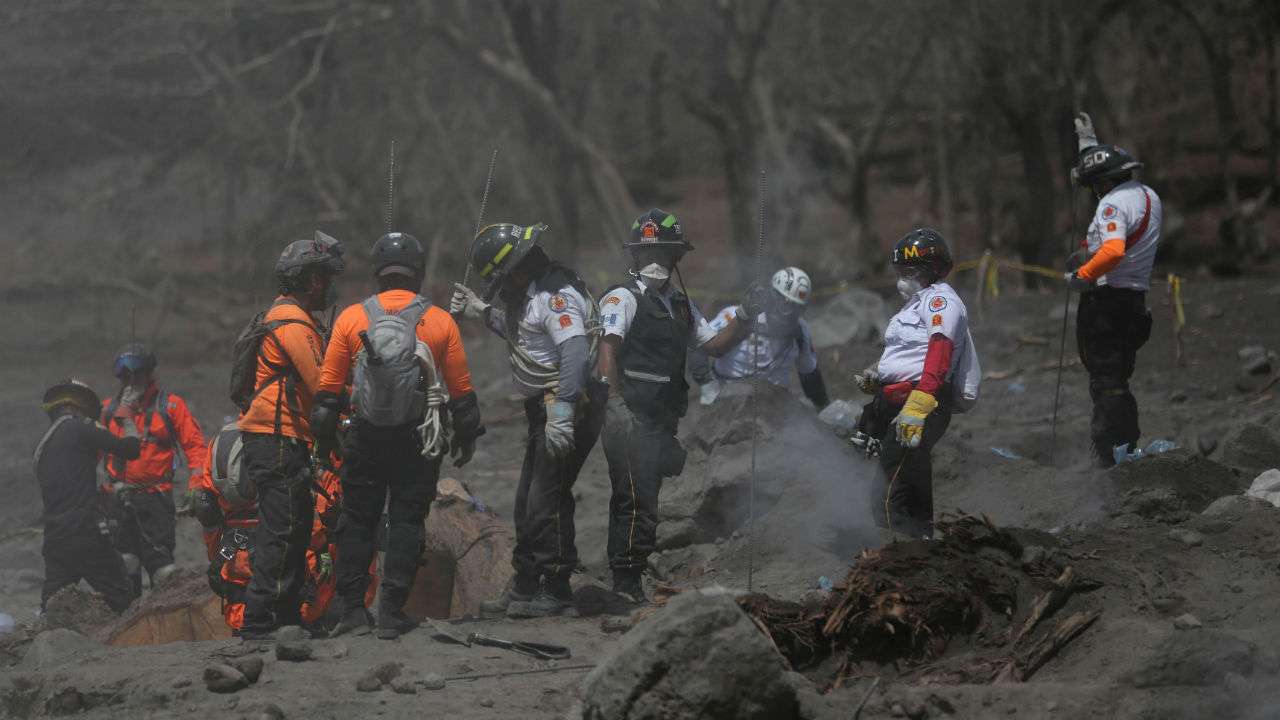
x,y
159,405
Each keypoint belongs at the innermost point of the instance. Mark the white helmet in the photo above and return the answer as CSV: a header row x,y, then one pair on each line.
x,y
793,284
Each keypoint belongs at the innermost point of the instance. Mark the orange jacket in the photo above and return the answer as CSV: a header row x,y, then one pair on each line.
x,y
297,345
436,328
154,467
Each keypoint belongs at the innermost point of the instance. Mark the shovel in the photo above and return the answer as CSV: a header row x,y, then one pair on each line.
x,y
542,651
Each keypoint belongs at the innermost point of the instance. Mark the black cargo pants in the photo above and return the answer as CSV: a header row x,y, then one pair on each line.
x,y
383,465
1111,325
148,527
902,496
641,450
280,467
85,553
545,532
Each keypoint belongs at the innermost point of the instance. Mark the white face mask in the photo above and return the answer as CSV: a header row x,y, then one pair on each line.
x,y
908,287
655,272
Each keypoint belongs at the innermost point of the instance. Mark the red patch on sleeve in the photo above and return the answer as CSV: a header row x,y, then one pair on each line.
x,y
565,321
1111,227
612,300
937,321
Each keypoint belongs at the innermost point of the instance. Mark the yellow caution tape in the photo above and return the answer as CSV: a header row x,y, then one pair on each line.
x,y
1179,315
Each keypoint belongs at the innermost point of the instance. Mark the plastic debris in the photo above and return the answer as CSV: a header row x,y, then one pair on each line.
x,y
7,623
824,583
1006,453
1017,387
1122,455
1266,487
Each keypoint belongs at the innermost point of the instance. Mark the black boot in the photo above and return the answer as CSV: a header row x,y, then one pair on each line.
x,y
627,586
555,599
356,621
522,590
392,623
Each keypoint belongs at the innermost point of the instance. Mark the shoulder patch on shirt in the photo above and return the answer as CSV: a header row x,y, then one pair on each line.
x,y
937,302
565,321
1109,211
937,321
1111,227
558,302
612,300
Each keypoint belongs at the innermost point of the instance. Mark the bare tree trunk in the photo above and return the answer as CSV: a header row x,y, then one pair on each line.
x,y
942,150
1273,106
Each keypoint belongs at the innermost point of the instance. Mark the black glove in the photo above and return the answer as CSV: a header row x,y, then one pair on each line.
x,y
324,423
464,413
205,509
752,305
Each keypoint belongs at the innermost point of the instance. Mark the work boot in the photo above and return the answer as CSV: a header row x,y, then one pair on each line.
x,y
356,621
394,623
627,586
521,591
555,599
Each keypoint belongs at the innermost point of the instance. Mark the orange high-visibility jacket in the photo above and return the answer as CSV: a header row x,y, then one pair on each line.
x,y
153,470
299,347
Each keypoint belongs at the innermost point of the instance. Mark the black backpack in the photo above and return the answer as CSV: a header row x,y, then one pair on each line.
x,y
244,360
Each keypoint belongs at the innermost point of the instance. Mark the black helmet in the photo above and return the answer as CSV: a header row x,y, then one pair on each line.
x,y
400,253
322,252
923,248
501,246
75,393
134,357
1102,162
657,228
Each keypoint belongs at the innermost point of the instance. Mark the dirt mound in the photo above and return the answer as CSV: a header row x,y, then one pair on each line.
x,y
183,609
1171,486
907,603
76,609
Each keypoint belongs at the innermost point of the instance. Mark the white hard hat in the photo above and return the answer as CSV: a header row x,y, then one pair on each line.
x,y
793,284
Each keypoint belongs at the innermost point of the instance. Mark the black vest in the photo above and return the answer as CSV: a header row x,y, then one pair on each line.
x,y
651,359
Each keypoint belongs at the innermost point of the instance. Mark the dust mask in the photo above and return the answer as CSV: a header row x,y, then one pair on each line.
x,y
131,395
908,287
655,272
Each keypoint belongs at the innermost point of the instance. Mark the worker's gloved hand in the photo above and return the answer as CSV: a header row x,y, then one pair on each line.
x,y
1086,136
1077,283
709,391
752,305
909,424
461,450
868,381
467,303
617,416
559,428
324,567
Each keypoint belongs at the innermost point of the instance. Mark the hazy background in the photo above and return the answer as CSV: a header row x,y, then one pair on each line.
x,y
160,153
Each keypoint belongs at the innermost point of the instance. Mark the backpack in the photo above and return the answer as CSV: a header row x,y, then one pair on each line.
x,y
966,381
244,362
225,459
385,384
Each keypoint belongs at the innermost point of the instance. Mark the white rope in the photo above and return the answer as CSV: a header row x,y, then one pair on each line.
x,y
432,430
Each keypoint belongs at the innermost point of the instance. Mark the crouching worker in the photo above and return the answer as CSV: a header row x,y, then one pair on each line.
x,y
779,346
929,368
399,354
225,504
552,327
76,543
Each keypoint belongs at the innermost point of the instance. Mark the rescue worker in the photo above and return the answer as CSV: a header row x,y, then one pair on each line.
x,y
913,384
229,520
386,457
780,345
649,326
76,543
1112,319
143,488
277,436
551,324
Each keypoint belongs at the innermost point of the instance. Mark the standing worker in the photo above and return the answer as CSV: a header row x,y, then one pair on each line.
x,y
551,325
385,347
76,544
929,361
143,488
649,326
276,431
1112,320
780,346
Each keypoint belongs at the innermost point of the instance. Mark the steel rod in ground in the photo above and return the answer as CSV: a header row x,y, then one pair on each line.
x,y
1062,346
484,200
756,291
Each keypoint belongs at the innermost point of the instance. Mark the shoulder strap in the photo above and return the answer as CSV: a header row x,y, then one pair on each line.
x,y
1141,230
110,411
414,311
373,308
162,407
35,464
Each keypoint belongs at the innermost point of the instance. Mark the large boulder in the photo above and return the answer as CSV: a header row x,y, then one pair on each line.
x,y
854,315
1251,448
700,657
1172,484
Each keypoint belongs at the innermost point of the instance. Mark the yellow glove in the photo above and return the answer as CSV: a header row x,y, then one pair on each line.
x,y
910,421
